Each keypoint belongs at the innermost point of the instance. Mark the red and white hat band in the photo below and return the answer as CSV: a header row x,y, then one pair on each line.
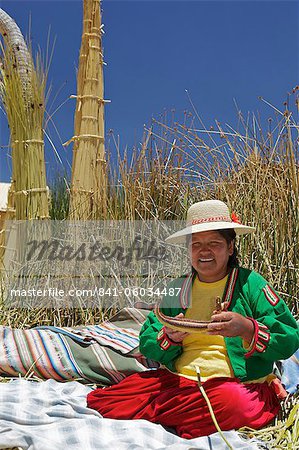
x,y
210,219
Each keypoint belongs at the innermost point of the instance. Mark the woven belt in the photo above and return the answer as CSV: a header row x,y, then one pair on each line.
x,y
182,323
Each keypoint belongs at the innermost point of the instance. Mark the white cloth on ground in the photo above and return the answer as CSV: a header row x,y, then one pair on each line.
x,y
50,415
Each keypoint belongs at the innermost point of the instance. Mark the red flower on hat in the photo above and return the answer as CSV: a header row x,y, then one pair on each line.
x,y
235,218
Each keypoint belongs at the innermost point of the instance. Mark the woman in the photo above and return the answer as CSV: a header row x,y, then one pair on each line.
x,y
235,354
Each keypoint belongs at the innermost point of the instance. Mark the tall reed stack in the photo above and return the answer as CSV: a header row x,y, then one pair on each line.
x,y
22,91
88,197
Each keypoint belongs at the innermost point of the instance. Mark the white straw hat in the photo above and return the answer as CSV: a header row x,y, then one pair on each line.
x,y
208,215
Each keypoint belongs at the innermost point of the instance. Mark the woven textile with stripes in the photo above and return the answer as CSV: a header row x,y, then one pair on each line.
x,y
104,353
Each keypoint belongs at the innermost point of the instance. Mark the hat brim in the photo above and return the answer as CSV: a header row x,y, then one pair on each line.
x,y
180,236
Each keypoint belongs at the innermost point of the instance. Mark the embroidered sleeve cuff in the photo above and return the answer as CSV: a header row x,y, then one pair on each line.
x,y
164,341
260,340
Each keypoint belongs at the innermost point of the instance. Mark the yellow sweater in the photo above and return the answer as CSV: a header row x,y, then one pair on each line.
x,y
204,350
201,349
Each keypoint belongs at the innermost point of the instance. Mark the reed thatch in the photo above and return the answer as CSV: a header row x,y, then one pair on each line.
x,y
89,184
22,93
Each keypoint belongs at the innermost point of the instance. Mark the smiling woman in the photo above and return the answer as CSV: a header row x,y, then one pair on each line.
x,y
210,253
235,352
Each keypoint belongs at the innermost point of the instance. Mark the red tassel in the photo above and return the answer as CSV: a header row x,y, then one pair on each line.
x,y
235,218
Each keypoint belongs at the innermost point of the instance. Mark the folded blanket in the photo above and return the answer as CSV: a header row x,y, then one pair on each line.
x,y
124,340
50,415
103,354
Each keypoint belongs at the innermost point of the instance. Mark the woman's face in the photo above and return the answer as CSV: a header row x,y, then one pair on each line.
x,y
210,254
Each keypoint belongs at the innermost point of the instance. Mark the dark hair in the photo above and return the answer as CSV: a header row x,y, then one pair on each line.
x,y
229,235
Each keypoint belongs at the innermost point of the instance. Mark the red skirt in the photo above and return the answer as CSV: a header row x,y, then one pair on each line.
x,y
174,401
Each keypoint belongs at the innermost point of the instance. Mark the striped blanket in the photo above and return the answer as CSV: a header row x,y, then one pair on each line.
x,y
102,354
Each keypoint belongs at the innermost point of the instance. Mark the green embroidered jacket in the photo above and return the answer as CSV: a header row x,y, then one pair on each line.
x,y
276,333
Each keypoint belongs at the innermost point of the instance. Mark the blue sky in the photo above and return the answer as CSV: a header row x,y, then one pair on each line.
x,y
155,50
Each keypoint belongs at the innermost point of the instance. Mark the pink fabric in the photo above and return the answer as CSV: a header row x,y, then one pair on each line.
x,y
170,400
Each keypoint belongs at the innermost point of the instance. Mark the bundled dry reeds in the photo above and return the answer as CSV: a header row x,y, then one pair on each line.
x,y
22,93
89,179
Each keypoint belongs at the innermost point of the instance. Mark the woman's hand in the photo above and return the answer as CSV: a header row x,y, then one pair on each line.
x,y
229,324
176,336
